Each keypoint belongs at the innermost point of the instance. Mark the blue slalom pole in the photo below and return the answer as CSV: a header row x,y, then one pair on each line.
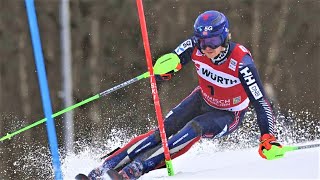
x,y
45,95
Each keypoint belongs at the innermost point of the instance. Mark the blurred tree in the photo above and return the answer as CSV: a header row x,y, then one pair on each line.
x,y
94,79
256,30
273,73
23,77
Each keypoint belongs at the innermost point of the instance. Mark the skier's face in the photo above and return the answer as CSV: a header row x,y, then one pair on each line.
x,y
211,53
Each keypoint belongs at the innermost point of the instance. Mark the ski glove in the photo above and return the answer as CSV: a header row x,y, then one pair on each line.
x,y
166,66
269,148
167,76
164,77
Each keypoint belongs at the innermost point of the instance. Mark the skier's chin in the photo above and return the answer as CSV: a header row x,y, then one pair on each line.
x,y
211,54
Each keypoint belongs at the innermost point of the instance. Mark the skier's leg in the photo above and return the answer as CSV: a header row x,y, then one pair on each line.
x,y
213,124
222,123
154,157
216,123
124,155
175,120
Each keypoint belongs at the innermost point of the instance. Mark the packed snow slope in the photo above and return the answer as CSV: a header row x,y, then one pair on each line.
x,y
204,162
243,164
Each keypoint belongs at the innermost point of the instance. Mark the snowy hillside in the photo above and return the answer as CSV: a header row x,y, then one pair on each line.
x,y
203,162
244,164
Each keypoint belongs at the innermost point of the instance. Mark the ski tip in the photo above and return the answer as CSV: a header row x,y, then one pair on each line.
x,y
81,177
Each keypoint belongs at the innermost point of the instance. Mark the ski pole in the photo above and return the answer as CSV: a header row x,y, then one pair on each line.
x,y
165,64
104,93
279,152
294,148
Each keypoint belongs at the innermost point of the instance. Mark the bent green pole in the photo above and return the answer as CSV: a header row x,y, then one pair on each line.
x,y
104,93
166,63
279,152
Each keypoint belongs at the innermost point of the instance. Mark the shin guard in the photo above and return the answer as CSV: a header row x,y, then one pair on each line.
x,y
178,145
137,145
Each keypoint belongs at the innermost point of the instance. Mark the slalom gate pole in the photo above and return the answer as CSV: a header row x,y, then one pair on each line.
x,y
154,88
45,95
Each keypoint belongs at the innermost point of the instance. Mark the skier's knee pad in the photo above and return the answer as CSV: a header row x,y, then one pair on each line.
x,y
189,134
183,140
143,143
197,128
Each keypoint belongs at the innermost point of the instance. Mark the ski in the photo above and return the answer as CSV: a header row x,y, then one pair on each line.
x,y
81,177
113,175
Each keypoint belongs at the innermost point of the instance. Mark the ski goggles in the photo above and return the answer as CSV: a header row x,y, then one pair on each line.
x,y
212,42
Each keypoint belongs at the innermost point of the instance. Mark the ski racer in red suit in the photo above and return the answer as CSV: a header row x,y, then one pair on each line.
x,y
228,82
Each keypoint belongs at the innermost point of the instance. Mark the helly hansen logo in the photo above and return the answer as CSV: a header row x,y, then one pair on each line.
x,y
217,78
251,82
247,75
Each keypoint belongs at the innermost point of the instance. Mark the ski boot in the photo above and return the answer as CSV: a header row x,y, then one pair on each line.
x,y
132,171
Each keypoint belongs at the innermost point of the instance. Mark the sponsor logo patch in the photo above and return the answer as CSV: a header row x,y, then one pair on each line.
x,y
233,64
251,82
214,76
183,46
236,100
217,102
217,78
255,90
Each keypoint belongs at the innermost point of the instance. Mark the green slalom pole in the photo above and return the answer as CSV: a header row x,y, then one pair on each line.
x,y
142,76
276,152
165,64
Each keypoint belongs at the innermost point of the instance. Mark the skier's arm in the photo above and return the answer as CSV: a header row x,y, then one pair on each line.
x,y
184,51
251,82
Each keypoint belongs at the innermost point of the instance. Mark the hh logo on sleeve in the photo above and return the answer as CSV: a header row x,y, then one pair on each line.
x,y
251,82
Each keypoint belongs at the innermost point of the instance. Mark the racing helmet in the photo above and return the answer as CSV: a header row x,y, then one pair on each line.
x,y
211,28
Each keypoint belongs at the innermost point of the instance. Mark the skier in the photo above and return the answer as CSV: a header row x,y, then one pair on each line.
x,y
228,82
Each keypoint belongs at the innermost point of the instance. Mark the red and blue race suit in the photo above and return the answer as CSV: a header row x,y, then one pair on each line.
x,y
214,109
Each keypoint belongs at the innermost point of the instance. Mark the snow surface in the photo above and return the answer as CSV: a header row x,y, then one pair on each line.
x,y
204,162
